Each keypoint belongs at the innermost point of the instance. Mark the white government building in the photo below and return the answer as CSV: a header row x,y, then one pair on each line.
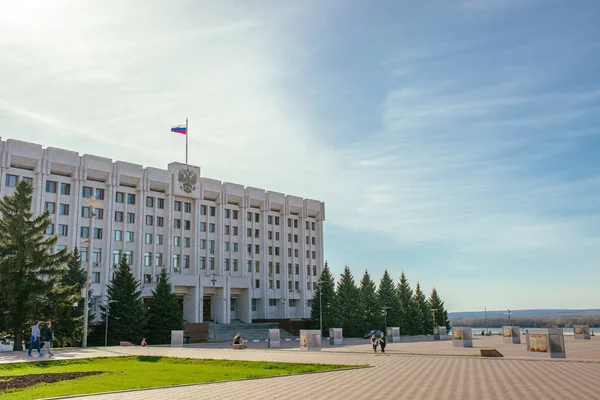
x,y
231,252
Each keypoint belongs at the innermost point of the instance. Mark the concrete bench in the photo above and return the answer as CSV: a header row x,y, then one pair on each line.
x,y
490,353
288,340
255,340
126,344
297,339
238,346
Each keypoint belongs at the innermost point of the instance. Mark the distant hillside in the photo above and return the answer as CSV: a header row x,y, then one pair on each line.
x,y
523,313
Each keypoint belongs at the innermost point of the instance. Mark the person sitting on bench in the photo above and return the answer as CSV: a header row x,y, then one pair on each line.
x,y
239,341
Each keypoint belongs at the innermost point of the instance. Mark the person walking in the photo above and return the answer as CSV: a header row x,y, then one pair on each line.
x,y
374,343
382,342
48,338
35,339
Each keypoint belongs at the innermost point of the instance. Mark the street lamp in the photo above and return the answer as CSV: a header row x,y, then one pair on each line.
x,y
107,305
92,202
320,284
384,311
214,281
508,313
433,310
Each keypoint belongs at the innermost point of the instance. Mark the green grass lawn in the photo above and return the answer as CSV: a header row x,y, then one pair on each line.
x,y
143,372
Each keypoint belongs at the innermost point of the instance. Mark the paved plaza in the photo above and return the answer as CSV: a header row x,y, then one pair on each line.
x,y
420,370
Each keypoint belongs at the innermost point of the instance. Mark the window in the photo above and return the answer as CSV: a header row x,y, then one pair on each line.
x,y
177,224
11,180
235,247
211,228
232,304
85,212
186,261
249,232
296,253
97,256
118,216
235,214
159,259
130,218
227,246
63,209
270,268
270,235
277,221
292,302
276,251
148,278
212,211
295,238
120,197
116,256
149,220
272,302
256,249
99,213
307,225
257,217
314,255
277,268
65,189
100,194
313,226
149,202
289,222
295,223
307,253
50,207
86,192
296,285
176,241
129,236
148,238
249,248
118,236
202,262
289,237
307,240
130,198
235,231
278,284
176,262
187,225
211,244
50,187
28,180
270,250
256,233
270,219
203,243
177,205
227,229
308,270
63,230
314,285
314,270
160,203
84,232
249,266
297,269
95,277
212,263
254,304
186,242
226,213
249,217
202,210
235,265
227,264
50,229
257,266
97,233
257,283
159,240
314,241
289,252
290,269
187,207
160,221
202,226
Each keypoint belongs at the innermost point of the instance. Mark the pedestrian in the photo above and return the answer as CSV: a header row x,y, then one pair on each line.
x,y
374,343
144,344
382,342
48,338
35,339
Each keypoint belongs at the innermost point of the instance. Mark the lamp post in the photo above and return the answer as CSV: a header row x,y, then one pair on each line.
x,y
107,305
92,202
320,283
384,311
433,310
508,313
214,281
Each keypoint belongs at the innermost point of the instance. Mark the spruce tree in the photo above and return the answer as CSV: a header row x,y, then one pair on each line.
x,y
441,315
29,267
126,316
328,300
389,303
368,303
410,314
347,300
164,314
421,303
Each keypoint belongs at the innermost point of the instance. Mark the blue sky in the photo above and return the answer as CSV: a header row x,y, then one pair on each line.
x,y
454,140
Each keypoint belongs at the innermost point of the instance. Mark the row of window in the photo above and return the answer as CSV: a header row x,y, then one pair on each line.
x,y
273,303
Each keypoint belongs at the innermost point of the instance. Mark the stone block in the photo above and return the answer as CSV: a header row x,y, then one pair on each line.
x,y
511,334
462,337
274,339
581,331
439,333
546,343
176,338
393,334
310,339
335,336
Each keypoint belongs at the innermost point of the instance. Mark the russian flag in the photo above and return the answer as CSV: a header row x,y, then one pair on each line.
x,y
179,129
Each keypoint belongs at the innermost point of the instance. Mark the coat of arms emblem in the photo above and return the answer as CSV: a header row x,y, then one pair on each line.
x,y
187,180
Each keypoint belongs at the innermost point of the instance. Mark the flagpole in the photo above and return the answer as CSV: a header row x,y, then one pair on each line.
x,y
187,133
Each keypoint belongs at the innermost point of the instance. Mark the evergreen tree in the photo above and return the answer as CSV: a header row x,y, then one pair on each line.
x,y
126,317
388,301
347,300
328,300
441,315
410,315
420,302
29,267
368,303
164,314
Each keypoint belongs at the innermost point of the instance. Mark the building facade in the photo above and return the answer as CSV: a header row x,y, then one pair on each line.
x,y
231,252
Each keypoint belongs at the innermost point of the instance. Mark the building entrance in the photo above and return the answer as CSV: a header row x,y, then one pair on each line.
x,y
206,305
